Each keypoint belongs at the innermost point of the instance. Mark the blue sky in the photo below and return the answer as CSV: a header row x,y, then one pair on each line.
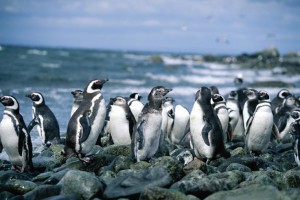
x,y
200,26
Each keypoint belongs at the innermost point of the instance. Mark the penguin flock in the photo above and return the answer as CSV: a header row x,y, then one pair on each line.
x,y
245,115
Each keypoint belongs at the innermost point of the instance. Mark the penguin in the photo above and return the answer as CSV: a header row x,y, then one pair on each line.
x,y
122,121
295,132
214,90
43,117
219,105
283,118
86,123
235,117
261,125
206,129
167,117
147,137
238,80
277,101
78,96
14,136
249,106
135,104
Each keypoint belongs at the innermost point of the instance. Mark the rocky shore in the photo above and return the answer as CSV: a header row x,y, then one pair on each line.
x,y
173,174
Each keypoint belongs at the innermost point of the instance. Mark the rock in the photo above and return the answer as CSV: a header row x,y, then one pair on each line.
x,y
45,163
174,167
11,175
140,165
184,156
193,165
292,193
292,178
6,195
132,183
238,151
74,180
56,177
70,165
151,193
63,197
42,177
42,192
121,163
201,185
20,186
108,176
266,192
118,150
239,167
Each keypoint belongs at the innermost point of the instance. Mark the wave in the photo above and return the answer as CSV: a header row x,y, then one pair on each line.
x,y
166,78
188,61
128,81
37,52
136,57
51,65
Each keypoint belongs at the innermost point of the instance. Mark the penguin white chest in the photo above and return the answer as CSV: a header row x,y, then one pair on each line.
x,y
119,126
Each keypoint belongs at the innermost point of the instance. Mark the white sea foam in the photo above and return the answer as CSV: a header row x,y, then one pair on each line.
x,y
51,65
215,65
37,52
136,57
166,78
128,81
169,61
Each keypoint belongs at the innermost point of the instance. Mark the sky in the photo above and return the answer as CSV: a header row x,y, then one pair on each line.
x,y
198,26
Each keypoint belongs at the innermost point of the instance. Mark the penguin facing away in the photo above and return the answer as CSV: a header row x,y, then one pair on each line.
x,y
78,96
295,132
206,129
44,118
249,106
167,117
122,121
219,105
14,137
135,105
261,125
87,122
277,101
147,136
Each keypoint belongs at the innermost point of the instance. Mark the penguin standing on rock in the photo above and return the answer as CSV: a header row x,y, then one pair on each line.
x,y
122,121
249,106
14,137
206,129
87,122
43,117
261,125
295,132
78,96
135,104
148,137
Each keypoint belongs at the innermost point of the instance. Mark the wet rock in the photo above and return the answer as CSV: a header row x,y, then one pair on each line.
x,y
121,163
174,167
108,176
42,177
63,197
82,184
132,183
292,178
118,150
292,193
76,164
20,186
266,192
201,185
11,175
151,193
184,156
238,151
43,163
239,167
42,192
6,195
199,164
140,165
56,177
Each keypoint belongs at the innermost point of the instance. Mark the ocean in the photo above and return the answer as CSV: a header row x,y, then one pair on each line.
x,y
55,72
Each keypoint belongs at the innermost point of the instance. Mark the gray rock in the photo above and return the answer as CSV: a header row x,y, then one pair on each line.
x,y
42,192
42,177
239,167
121,163
63,197
108,176
74,180
151,193
45,163
132,183
184,156
6,195
10,175
56,177
140,165
202,185
292,178
20,186
118,150
266,192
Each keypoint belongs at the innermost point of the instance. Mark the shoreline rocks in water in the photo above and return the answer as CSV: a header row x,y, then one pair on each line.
x,y
113,175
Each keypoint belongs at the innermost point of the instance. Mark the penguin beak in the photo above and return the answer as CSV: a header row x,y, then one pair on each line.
x,y
28,95
167,91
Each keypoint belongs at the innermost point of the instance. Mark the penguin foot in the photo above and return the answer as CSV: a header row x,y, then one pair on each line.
x,y
85,160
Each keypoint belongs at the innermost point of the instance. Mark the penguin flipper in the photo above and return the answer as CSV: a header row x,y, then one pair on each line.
x,y
132,122
86,126
275,132
282,121
185,134
1,146
140,136
32,124
171,113
249,122
21,141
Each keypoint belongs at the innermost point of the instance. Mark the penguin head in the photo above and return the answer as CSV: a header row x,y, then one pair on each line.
x,y
251,94
167,101
77,94
156,95
95,86
296,115
263,96
136,96
10,102
120,101
204,94
233,95
217,98
36,98
290,101
283,93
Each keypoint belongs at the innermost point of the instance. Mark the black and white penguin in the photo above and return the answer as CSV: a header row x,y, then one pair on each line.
x,y
43,117
167,117
277,101
87,122
147,137
261,125
295,132
78,96
283,118
206,129
214,90
249,106
235,117
219,105
14,136
135,105
122,121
